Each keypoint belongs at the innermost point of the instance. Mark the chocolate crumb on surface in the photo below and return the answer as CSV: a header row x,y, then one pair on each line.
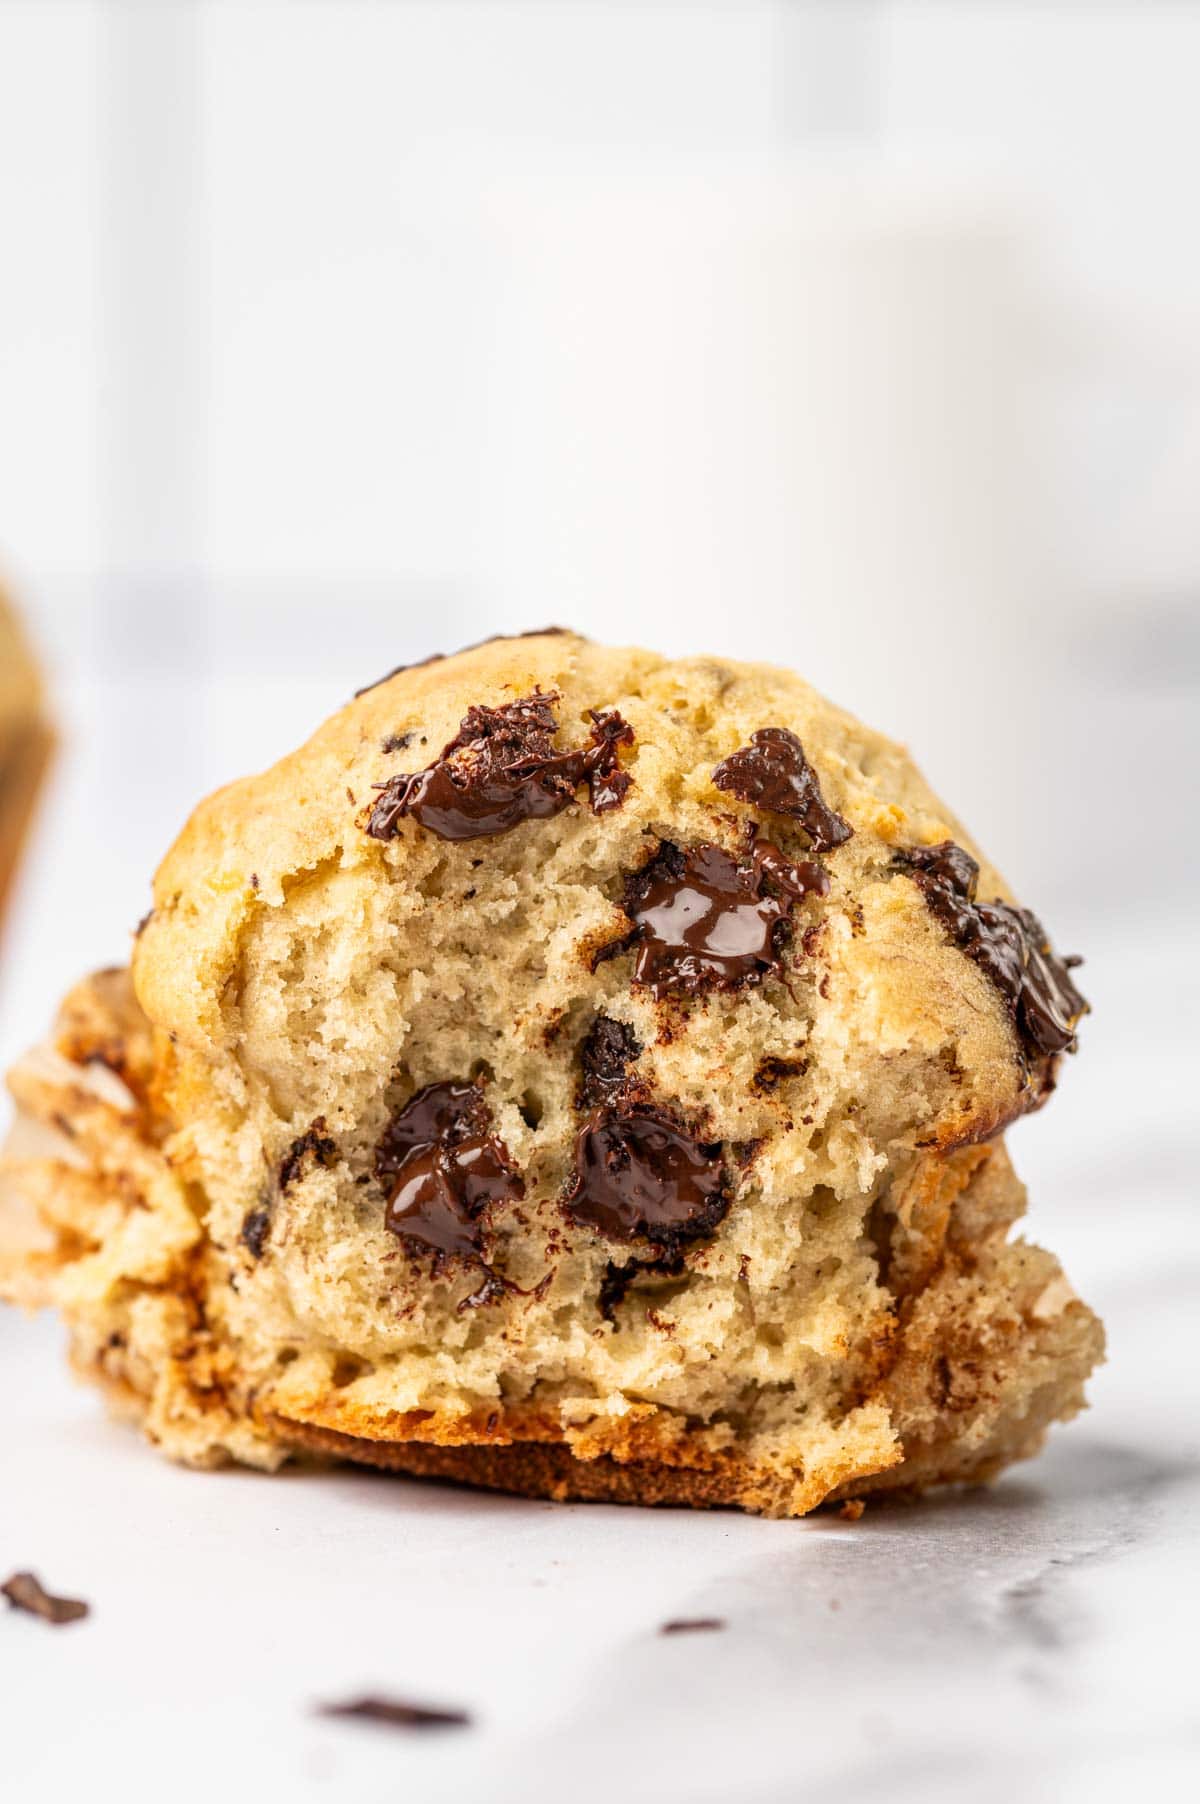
x,y
692,1625
773,772
640,1175
607,1051
502,769
256,1230
395,1713
703,920
313,1143
25,1591
1008,943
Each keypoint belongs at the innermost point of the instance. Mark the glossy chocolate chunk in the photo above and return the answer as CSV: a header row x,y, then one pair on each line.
x,y
502,769
443,1169
608,1050
772,772
1008,943
704,920
640,1175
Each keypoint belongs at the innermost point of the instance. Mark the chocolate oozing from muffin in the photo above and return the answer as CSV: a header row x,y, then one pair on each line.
x,y
501,769
1009,944
640,1175
704,920
773,772
444,1170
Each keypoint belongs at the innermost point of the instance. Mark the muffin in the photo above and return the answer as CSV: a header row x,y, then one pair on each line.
x,y
574,1072
25,743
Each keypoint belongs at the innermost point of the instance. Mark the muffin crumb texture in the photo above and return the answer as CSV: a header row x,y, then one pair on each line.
x,y
573,1072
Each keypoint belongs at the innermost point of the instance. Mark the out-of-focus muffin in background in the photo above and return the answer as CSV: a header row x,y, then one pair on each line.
x,y
26,740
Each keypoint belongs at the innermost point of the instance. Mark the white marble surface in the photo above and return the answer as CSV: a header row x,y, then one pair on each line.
x,y
1033,1641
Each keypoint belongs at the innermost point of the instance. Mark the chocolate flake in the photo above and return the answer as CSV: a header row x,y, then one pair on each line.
x,y
501,769
313,1141
396,1713
608,1050
691,1625
703,920
444,1172
1008,943
256,1230
397,742
640,1175
772,772
26,1592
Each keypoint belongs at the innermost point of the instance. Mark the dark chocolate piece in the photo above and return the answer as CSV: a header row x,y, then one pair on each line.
x,y
26,1592
256,1230
397,742
396,1713
608,1050
640,1176
691,1625
1008,943
313,1143
439,657
502,769
142,925
444,1170
773,772
705,921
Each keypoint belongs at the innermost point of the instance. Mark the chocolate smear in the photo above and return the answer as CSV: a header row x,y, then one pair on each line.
x,y
439,657
703,920
608,1050
617,1280
313,1145
501,769
640,1175
445,1172
1008,943
772,772
26,1592
692,1625
396,1713
256,1230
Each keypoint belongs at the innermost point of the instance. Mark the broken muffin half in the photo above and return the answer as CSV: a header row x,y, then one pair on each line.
x,y
575,1072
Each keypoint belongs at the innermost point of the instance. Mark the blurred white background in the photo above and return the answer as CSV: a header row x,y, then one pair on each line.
x,y
860,337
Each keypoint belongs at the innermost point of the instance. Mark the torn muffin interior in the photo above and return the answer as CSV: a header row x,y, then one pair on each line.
x,y
552,1123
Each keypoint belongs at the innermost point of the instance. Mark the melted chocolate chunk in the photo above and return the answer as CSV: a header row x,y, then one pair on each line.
x,y
607,1052
26,1592
314,1143
501,769
640,1176
396,1713
256,1230
443,1170
1008,943
773,772
705,921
